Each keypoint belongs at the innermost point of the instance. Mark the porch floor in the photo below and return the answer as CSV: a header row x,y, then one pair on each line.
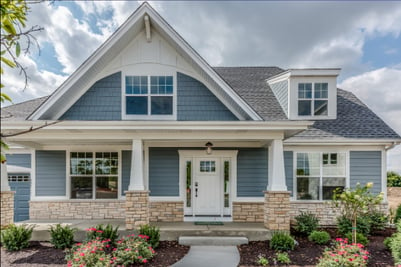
x,y
168,230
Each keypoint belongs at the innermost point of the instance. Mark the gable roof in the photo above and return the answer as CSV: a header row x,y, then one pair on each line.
x,y
80,81
21,111
354,119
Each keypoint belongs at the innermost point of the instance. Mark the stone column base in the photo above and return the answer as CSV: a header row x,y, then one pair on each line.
x,y
7,207
136,209
277,210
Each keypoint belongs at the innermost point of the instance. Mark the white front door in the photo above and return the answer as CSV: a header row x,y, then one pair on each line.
x,y
207,193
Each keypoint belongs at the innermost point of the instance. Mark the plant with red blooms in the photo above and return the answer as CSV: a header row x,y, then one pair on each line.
x,y
91,253
344,255
103,232
132,249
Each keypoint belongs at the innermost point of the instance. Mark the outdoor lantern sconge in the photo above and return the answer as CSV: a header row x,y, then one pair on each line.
x,y
209,148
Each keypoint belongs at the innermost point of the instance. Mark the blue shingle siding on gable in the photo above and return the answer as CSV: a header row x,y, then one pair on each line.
x,y
125,170
252,172
280,90
289,170
50,173
365,167
102,102
20,160
195,102
164,172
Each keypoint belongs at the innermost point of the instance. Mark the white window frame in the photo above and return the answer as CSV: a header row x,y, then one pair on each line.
x,y
295,176
149,95
313,99
69,175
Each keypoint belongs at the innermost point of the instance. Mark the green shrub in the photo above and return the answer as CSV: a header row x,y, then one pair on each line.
x,y
306,223
16,237
262,260
101,232
393,179
387,242
395,245
319,237
152,232
398,214
282,257
377,219
62,236
360,238
132,249
344,225
282,241
344,254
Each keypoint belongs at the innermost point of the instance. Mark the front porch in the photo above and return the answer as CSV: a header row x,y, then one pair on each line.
x,y
168,230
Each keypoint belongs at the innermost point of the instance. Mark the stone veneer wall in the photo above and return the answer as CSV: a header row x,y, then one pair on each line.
x,y
248,211
166,211
277,210
136,209
7,207
77,209
326,213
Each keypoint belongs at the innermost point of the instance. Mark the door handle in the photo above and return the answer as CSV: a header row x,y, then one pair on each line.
x,y
196,192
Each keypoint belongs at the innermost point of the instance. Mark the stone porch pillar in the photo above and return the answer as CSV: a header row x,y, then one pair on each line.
x,y
277,198
6,198
137,198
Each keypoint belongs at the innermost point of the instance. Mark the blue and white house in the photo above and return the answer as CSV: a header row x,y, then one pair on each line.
x,y
146,130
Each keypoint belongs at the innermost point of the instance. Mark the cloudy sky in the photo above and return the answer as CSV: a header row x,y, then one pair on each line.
x,y
362,38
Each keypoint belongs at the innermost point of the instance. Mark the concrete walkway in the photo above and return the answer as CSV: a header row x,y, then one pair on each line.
x,y
210,256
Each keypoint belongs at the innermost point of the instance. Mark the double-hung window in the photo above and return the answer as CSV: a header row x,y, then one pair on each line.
x,y
149,95
312,99
319,174
94,175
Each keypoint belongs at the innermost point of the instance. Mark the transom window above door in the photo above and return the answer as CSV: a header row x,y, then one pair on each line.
x,y
151,96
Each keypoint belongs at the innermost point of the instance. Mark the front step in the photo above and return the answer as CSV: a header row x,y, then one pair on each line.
x,y
212,240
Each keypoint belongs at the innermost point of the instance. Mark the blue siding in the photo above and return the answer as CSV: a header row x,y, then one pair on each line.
x,y
20,160
125,171
195,102
102,102
164,172
252,172
366,166
289,170
280,90
50,173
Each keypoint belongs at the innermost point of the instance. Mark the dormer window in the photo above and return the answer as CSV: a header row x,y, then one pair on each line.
x,y
149,96
312,99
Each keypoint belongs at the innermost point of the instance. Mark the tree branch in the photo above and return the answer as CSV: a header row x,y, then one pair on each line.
x,y
32,129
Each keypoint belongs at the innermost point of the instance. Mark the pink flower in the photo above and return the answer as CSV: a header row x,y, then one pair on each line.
x,y
99,231
145,261
101,259
82,254
93,251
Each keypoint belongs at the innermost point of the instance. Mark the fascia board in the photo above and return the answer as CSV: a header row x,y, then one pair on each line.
x,y
344,141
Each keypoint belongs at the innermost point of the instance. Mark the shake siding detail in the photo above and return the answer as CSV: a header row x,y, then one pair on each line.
x,y
365,167
102,102
164,172
289,170
50,173
20,160
252,173
280,90
195,102
125,170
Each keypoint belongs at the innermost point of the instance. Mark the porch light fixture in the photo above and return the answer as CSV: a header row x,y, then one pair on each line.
x,y
208,146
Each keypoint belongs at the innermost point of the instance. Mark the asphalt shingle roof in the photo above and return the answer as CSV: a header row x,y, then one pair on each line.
x,y
250,84
354,119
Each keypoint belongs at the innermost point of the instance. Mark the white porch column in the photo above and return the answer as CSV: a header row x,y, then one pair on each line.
x,y
4,177
276,180
136,178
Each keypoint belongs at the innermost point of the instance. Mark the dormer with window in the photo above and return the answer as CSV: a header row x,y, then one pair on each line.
x,y
307,94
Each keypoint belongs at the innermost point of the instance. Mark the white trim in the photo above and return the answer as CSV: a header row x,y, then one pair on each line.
x,y
384,174
249,199
189,218
33,174
166,199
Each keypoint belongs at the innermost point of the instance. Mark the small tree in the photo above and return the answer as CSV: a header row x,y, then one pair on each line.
x,y
355,202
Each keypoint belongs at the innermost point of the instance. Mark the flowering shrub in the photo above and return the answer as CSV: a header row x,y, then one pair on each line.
x,y
100,253
103,232
91,253
344,254
133,249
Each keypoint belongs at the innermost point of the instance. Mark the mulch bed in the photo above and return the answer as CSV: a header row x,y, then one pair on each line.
x,y
308,253
43,254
